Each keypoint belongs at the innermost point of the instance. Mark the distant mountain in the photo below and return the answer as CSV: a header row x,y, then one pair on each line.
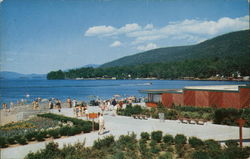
x,y
15,75
92,65
231,44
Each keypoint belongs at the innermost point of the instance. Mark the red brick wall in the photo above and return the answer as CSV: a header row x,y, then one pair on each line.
x,y
215,99
189,98
167,99
244,97
201,98
177,98
230,100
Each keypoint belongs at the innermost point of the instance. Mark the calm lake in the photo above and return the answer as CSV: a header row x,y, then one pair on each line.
x,y
13,90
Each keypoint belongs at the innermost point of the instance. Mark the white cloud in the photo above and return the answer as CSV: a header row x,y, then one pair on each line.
x,y
149,46
130,27
100,30
188,31
115,44
197,29
1,1
149,26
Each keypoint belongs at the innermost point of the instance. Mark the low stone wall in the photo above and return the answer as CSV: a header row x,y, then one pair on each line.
x,y
19,113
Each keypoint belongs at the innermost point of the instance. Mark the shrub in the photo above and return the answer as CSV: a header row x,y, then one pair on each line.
x,y
155,149
61,118
11,140
40,136
64,131
212,144
104,143
3,142
213,147
180,150
30,136
235,152
153,143
87,128
163,146
137,109
119,155
231,144
195,142
71,131
142,145
127,142
168,139
171,114
226,116
180,139
130,110
54,133
22,140
51,151
200,155
74,130
145,135
166,155
156,135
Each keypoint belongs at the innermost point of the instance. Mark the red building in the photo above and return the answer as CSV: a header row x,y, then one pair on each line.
x,y
222,96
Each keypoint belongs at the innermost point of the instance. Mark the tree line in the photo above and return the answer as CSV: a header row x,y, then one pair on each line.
x,y
198,68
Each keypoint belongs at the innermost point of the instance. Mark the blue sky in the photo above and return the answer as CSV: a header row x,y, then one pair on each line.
x,y
38,36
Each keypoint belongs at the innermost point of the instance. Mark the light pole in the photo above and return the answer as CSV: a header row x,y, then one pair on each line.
x,y
241,123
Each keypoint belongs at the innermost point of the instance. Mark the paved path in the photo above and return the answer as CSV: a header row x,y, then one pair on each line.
x,y
119,125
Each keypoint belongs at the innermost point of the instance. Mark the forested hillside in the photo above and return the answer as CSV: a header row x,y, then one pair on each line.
x,y
231,44
224,55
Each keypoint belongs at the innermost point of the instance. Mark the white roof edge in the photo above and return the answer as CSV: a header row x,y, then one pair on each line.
x,y
216,87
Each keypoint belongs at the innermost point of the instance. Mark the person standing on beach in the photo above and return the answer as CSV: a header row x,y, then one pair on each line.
x,y
101,124
69,103
50,104
11,105
59,106
114,102
74,103
102,106
4,106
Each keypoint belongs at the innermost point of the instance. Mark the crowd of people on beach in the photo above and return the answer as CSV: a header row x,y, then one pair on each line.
x,y
80,108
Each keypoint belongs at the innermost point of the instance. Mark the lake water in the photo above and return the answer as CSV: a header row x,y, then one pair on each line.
x,y
13,90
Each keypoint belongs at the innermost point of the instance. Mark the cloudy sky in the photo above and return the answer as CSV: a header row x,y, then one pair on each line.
x,y
37,36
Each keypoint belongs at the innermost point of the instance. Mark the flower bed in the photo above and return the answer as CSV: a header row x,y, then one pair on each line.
x,y
42,127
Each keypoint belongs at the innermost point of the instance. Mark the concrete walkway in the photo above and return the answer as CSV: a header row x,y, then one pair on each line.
x,y
119,125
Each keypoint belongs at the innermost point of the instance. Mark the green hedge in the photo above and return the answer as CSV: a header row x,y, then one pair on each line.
x,y
3,142
64,119
145,135
156,136
78,127
180,139
131,110
229,116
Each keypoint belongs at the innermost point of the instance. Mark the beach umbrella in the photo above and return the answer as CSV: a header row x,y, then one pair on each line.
x,y
44,100
117,96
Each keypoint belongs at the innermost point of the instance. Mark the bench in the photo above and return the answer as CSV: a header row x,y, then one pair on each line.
x,y
140,117
192,121
200,122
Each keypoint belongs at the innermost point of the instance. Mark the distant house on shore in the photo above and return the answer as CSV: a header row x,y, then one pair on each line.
x,y
221,96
